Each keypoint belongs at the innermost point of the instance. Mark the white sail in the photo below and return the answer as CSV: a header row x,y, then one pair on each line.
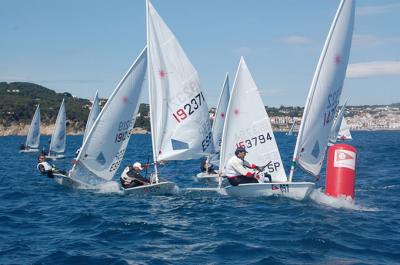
x,y
105,145
344,132
325,92
290,132
94,112
337,124
33,137
58,139
247,124
180,125
219,118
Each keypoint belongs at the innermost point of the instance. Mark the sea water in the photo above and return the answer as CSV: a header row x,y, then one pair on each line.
x,y
42,222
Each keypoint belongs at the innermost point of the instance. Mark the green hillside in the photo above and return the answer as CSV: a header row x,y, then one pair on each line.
x,y
18,102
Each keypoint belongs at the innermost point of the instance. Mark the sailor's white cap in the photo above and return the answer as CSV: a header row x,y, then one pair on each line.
x,y
138,165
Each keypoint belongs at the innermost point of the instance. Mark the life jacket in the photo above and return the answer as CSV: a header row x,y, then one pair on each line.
x,y
44,167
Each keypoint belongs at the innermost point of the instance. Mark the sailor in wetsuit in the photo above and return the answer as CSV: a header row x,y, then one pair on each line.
x,y
131,176
46,168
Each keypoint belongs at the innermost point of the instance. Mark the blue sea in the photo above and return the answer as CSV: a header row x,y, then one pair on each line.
x,y
42,222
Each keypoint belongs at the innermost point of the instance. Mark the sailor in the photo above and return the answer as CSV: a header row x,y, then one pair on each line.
x,y
46,168
22,147
239,171
207,167
131,176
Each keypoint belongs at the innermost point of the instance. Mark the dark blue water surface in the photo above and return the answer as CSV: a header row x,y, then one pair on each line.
x,y
42,222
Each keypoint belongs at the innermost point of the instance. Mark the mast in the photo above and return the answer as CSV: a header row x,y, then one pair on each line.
x,y
152,125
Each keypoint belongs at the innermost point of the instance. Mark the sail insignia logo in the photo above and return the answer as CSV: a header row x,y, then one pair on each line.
x,y
345,158
101,159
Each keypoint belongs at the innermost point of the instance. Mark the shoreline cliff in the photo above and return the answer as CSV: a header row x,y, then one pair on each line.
x,y
21,129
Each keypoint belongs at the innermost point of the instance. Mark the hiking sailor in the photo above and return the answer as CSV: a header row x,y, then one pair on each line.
x,y
131,176
239,171
46,168
206,166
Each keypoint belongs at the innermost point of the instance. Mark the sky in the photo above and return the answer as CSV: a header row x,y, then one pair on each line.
x,y
80,46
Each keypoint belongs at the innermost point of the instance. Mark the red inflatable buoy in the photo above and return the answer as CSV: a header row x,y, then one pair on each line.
x,y
340,170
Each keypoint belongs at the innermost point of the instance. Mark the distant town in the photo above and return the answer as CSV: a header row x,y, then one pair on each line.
x,y
357,117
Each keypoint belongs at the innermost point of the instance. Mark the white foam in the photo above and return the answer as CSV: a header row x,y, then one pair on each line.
x,y
345,202
109,187
391,187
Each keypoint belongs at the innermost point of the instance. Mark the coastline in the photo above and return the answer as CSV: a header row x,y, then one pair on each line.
x,y
22,130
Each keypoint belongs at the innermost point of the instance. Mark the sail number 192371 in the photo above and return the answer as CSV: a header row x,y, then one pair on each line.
x,y
189,108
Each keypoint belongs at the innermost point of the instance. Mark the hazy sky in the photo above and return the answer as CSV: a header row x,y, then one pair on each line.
x,y
80,46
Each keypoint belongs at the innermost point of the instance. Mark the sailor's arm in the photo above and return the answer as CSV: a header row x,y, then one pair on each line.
x,y
248,165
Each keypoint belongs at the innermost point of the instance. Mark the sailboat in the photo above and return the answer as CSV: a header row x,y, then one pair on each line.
x,y
344,131
217,128
291,130
248,125
337,124
104,145
324,93
179,119
33,137
94,112
58,139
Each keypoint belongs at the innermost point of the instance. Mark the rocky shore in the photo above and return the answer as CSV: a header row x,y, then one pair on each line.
x,y
47,129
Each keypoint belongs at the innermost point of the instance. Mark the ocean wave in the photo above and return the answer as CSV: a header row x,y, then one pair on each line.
x,y
341,202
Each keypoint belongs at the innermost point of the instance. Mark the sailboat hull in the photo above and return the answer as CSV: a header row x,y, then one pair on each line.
x,y
54,157
294,190
161,188
69,182
29,150
207,178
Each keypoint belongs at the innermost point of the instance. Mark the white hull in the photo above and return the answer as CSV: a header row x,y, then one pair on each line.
x,y
208,178
29,150
162,188
220,191
295,190
69,182
54,157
